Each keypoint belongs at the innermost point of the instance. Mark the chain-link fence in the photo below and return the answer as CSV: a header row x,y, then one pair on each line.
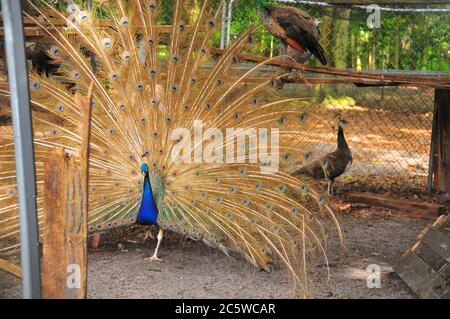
x,y
389,128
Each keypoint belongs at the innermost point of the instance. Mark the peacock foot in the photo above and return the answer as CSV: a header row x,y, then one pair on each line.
x,y
153,258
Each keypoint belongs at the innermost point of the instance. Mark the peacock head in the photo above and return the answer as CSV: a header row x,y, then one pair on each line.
x,y
263,8
342,123
144,168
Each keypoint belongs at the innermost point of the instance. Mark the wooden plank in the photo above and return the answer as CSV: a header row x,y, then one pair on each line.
x,y
428,255
442,101
423,280
425,209
35,32
54,258
10,268
439,242
64,244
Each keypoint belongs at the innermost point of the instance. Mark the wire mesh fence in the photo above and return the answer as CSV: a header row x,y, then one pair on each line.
x,y
389,128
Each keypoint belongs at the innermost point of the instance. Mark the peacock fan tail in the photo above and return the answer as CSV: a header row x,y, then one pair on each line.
x,y
216,137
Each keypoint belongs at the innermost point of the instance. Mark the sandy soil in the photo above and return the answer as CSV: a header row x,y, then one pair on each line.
x,y
191,270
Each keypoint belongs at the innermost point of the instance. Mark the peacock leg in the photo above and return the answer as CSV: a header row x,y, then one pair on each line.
x,y
148,234
330,188
155,255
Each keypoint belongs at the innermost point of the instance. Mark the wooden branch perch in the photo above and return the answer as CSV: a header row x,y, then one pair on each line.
x,y
381,79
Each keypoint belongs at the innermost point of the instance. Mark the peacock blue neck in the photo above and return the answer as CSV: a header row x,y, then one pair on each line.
x,y
148,211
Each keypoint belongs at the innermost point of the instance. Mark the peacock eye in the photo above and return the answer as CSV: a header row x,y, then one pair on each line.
x,y
294,211
211,23
107,43
140,86
114,76
152,72
124,21
60,107
203,51
304,189
303,117
150,42
182,26
36,85
55,51
126,56
83,16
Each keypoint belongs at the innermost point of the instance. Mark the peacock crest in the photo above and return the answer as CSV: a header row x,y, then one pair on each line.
x,y
209,129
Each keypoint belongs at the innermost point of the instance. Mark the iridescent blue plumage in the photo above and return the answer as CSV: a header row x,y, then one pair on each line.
x,y
148,212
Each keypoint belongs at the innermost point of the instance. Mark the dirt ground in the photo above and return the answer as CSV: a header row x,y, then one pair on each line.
x,y
191,270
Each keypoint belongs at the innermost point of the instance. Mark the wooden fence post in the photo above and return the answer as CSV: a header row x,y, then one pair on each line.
x,y
442,142
64,261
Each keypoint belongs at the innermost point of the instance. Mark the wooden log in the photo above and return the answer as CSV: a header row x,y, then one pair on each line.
x,y
408,206
10,268
442,101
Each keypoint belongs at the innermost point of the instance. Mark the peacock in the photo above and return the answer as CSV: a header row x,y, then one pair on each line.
x,y
333,164
183,139
297,30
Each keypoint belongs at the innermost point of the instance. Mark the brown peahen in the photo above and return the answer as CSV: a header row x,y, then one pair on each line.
x,y
297,30
181,139
332,165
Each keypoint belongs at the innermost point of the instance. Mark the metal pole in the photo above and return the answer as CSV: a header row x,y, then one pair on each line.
x,y
224,22
230,19
23,142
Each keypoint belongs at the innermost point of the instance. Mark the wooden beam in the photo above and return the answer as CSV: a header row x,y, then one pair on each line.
x,y
10,268
442,101
382,78
415,208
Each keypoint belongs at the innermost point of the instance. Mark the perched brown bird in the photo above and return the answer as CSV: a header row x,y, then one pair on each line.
x,y
331,165
296,28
